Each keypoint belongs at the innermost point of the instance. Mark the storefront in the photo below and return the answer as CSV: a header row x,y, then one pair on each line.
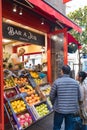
x,y
35,29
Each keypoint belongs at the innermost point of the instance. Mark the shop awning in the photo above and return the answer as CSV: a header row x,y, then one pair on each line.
x,y
54,14
73,44
65,1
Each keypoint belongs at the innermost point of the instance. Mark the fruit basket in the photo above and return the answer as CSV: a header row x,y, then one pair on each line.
x,y
35,97
42,109
34,74
10,92
45,89
19,120
25,119
17,104
26,89
38,81
9,83
21,81
32,99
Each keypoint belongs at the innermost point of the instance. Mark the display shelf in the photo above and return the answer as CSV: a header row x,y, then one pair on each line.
x,y
29,98
19,120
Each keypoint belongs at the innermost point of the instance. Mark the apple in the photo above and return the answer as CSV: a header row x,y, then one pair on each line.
x,y
22,117
26,115
26,124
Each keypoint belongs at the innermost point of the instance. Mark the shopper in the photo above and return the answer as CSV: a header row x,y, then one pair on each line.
x,y
15,59
64,96
80,121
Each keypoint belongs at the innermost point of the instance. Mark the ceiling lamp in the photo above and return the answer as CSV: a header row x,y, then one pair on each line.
x,y
15,8
42,21
21,11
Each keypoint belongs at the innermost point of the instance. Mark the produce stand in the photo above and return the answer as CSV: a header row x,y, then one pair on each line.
x,y
26,102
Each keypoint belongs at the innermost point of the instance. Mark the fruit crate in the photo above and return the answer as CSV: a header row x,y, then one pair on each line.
x,y
34,74
25,119
21,81
45,89
38,81
11,116
35,97
17,104
41,109
9,83
28,89
19,121
10,93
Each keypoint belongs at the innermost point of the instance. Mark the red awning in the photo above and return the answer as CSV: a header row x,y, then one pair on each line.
x,y
65,1
55,14
71,39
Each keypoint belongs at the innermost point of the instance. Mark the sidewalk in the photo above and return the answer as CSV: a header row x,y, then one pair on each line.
x,y
43,124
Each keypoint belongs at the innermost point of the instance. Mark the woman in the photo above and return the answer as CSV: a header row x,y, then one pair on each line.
x,y
81,121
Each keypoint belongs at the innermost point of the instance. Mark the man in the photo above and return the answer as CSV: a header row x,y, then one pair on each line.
x,y
15,59
65,95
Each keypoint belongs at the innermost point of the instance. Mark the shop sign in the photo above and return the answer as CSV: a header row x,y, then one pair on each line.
x,y
23,35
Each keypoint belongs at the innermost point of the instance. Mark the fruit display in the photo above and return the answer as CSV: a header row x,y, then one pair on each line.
x,y
24,120
27,99
27,89
38,81
18,105
20,81
32,99
34,74
10,92
46,89
9,83
42,109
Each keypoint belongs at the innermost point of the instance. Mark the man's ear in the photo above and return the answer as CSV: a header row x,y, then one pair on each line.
x,y
62,72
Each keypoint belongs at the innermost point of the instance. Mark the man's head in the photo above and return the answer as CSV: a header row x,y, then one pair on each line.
x,y
66,69
21,51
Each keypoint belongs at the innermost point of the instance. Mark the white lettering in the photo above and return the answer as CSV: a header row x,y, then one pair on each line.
x,y
31,36
25,34
12,31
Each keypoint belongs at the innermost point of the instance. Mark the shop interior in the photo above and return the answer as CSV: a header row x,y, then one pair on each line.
x,y
26,94
36,54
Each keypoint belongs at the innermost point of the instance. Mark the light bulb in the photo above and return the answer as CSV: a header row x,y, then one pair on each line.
x,y
15,8
20,13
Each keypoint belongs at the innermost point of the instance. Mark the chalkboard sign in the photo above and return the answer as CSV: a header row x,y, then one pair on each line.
x,y
23,35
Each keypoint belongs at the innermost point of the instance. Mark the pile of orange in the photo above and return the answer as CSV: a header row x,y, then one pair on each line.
x,y
27,90
20,81
32,99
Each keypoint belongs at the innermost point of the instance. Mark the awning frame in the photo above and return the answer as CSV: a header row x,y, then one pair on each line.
x,y
55,14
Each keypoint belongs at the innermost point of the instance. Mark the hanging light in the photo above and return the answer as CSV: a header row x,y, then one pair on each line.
x,y
42,21
21,11
15,8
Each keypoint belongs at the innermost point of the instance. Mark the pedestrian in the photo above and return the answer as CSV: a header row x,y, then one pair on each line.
x,y
65,95
81,120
